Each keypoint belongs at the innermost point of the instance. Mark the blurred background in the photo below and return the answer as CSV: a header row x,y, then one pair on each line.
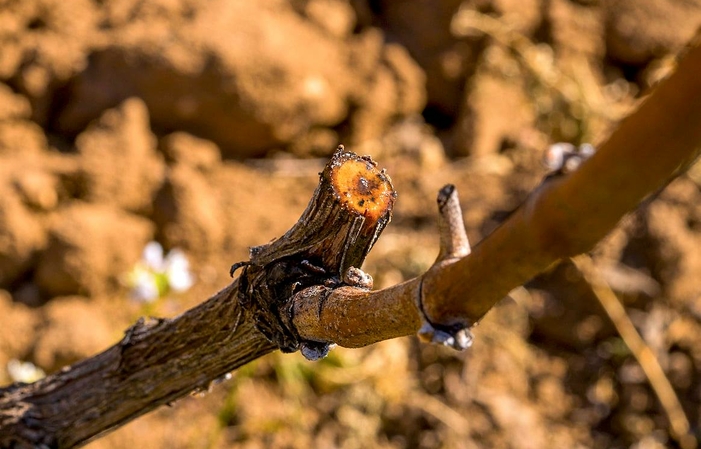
x,y
146,144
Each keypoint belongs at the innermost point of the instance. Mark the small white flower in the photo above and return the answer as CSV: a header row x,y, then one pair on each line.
x,y
156,275
144,286
24,371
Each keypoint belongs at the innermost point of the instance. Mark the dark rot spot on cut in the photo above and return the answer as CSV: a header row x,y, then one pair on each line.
x,y
367,186
363,185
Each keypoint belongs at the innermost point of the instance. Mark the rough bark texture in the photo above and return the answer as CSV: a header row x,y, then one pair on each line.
x,y
157,362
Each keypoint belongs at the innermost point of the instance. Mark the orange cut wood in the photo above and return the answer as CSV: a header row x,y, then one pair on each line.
x,y
363,188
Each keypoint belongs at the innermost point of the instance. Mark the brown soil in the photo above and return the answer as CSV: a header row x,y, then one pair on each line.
x,y
203,125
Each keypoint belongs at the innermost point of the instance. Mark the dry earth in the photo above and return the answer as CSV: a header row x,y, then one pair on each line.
x,y
202,125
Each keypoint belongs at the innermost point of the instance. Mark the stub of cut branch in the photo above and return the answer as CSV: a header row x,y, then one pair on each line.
x,y
323,251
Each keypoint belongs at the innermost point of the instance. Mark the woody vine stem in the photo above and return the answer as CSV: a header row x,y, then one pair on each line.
x,y
161,360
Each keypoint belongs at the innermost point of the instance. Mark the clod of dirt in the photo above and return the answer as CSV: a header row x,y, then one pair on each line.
x,y
496,112
186,149
43,44
248,85
73,329
640,30
396,90
90,247
424,29
119,160
188,214
12,105
21,137
22,235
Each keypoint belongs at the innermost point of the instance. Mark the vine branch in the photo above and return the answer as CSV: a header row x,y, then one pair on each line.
x,y
161,360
